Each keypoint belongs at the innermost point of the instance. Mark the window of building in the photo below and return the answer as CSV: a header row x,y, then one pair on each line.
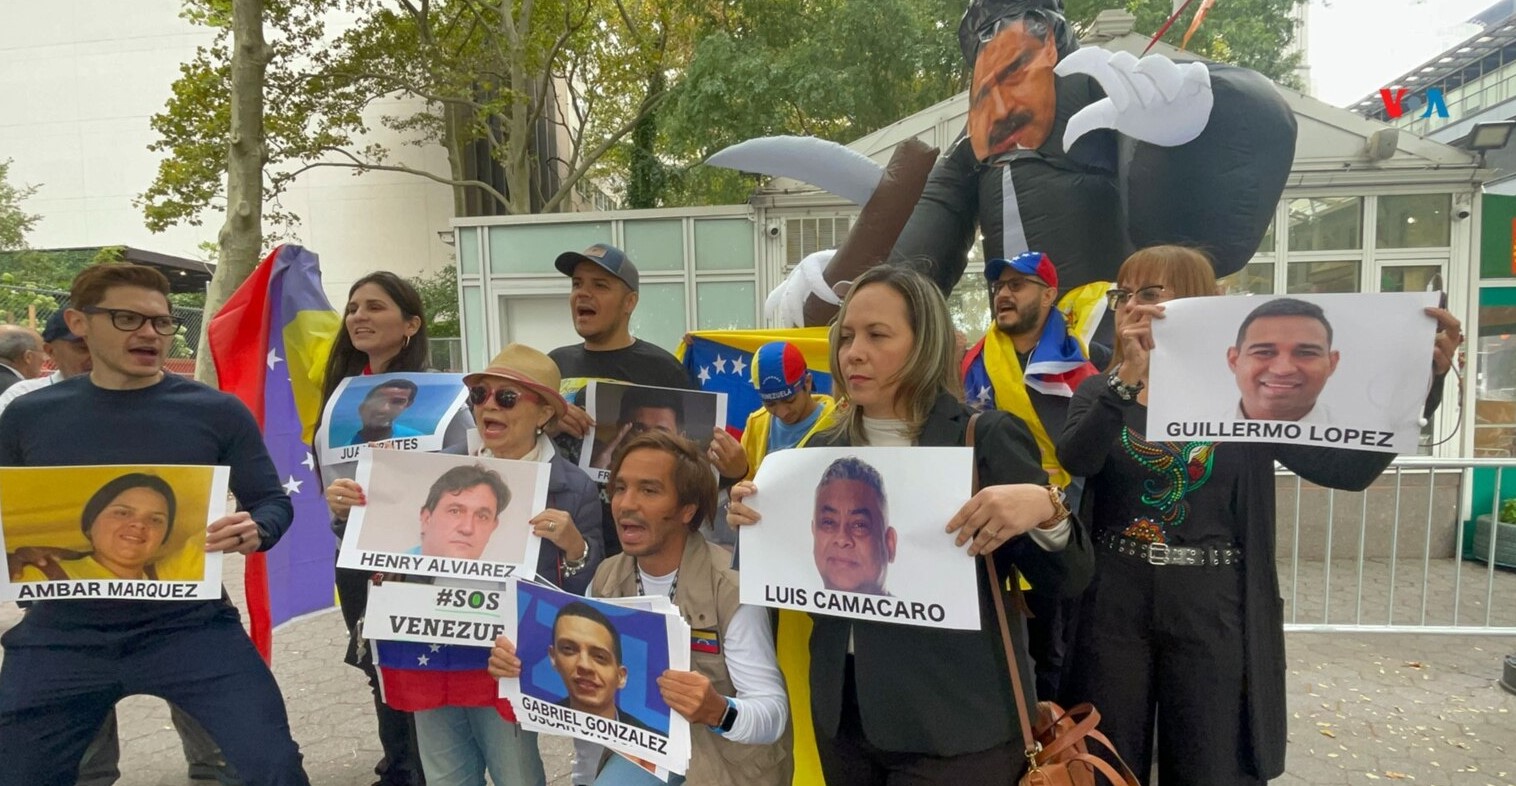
x,y
1413,221
806,236
1495,376
1326,223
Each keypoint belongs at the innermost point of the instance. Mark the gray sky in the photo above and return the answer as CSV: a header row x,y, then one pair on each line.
x,y
1356,47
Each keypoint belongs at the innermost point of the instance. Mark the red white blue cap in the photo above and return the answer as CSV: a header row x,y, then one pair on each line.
x,y
1027,263
778,370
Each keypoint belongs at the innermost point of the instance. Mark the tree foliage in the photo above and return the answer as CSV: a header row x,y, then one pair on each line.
x,y
439,301
835,69
497,79
14,221
1254,34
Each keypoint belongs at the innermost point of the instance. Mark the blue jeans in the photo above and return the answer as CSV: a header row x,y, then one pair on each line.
x,y
54,699
620,772
459,744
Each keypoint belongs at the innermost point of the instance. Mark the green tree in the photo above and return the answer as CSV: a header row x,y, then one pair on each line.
x,y
835,69
497,80
14,222
1251,33
439,301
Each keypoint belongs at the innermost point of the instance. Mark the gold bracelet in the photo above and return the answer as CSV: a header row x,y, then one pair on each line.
x,y
1060,507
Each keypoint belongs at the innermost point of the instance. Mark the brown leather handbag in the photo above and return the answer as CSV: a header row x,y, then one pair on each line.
x,y
1057,747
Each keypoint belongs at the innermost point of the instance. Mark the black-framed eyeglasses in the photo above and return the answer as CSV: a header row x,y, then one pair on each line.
x,y
1016,285
505,397
128,321
1147,296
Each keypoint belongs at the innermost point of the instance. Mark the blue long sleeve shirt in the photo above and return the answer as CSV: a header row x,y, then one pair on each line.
x,y
177,421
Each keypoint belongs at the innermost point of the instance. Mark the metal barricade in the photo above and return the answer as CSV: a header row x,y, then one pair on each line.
x,y
1422,550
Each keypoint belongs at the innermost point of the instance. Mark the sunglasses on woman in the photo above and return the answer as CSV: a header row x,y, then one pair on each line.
x,y
504,397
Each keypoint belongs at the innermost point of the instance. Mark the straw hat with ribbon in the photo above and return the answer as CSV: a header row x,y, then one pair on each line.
x,y
528,368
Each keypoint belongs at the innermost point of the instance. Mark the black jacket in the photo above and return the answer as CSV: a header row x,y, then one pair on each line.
x,y
1092,432
947,692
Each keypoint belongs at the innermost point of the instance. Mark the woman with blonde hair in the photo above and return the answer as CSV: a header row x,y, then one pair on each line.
x,y
893,701
1183,618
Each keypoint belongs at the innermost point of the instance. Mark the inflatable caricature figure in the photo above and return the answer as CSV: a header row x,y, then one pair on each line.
x,y
1081,154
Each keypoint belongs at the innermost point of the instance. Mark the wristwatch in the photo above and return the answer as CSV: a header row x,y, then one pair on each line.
x,y
1060,507
1122,390
729,719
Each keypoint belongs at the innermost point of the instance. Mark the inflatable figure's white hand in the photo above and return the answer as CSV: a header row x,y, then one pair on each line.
x,y
785,306
1152,100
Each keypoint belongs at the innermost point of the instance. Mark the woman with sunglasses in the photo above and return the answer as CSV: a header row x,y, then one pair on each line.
x,y
514,401
1183,618
895,703
384,330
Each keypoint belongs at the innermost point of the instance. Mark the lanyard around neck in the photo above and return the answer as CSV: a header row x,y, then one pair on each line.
x,y
637,574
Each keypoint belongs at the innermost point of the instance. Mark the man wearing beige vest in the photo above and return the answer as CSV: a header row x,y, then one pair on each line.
x,y
662,487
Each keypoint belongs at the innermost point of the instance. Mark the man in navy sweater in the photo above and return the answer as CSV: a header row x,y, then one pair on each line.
x,y
68,661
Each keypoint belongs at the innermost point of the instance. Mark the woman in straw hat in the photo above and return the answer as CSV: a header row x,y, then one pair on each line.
x,y
514,401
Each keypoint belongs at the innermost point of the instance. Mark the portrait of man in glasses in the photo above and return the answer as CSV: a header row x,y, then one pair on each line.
x,y
379,410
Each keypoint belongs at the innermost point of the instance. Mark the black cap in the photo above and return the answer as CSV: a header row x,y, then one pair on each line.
x,y
614,260
57,329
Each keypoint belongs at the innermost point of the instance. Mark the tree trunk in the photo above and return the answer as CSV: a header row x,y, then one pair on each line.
x,y
241,237
647,183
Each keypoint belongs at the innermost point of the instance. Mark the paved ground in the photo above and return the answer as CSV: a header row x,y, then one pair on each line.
x,y
1424,709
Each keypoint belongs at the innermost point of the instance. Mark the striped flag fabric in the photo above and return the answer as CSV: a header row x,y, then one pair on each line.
x,y
270,343
721,361
415,677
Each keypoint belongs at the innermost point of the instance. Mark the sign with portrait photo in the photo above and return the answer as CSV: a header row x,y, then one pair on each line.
x,y
622,411
861,533
120,532
590,668
1344,370
402,411
433,514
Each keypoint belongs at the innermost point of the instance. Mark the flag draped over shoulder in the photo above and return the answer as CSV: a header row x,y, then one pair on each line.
x,y
270,344
722,360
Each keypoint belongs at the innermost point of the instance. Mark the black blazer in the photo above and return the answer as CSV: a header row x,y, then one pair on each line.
x,y
947,692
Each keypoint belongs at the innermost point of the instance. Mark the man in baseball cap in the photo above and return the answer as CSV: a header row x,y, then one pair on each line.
x,y
69,355
602,296
792,412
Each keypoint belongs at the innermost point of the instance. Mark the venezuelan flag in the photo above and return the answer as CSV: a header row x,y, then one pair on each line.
x,y
270,343
721,360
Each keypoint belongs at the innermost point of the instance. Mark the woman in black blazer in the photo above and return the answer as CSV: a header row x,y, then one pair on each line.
x,y
895,703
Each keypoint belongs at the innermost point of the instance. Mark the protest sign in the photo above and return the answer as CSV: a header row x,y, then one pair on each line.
x,y
432,614
622,411
118,532
433,514
402,411
1345,370
589,669
860,533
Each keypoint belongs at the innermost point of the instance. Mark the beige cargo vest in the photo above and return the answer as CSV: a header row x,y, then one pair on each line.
x,y
706,595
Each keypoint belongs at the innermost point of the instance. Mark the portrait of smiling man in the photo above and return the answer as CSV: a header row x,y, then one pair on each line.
x,y
586,653
461,512
853,541
1282,359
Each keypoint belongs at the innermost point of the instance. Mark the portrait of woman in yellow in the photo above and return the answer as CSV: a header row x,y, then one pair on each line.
x,y
127,521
